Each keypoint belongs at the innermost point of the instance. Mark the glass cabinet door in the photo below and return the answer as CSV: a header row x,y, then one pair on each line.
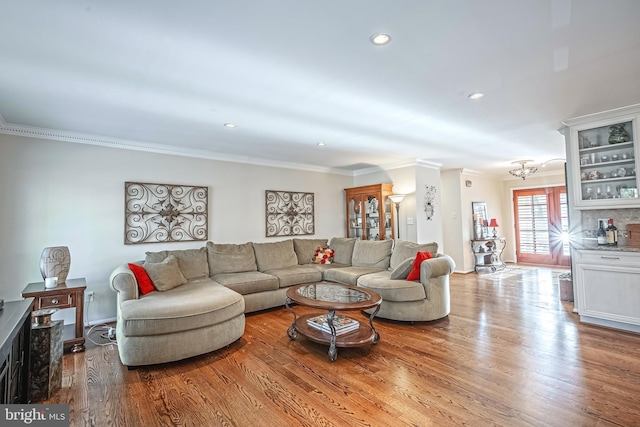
x,y
607,159
355,217
372,218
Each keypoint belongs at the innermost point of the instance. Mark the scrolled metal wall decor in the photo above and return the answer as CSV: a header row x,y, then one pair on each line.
x,y
160,213
430,200
289,213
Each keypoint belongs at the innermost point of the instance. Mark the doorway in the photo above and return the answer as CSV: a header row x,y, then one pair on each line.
x,y
542,225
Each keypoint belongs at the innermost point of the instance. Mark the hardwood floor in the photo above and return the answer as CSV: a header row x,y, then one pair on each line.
x,y
509,354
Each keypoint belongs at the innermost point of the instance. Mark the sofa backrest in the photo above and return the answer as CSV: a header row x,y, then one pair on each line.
x,y
192,262
404,249
231,258
372,253
271,256
306,249
343,247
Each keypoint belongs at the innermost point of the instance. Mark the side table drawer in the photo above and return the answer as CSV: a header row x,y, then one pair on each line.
x,y
55,301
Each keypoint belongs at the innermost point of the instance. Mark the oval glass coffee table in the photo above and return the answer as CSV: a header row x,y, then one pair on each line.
x,y
330,328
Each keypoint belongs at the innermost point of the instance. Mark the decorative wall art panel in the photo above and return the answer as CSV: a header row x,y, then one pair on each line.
x,y
289,213
160,213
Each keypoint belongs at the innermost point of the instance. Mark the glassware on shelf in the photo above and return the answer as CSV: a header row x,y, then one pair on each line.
x,y
617,134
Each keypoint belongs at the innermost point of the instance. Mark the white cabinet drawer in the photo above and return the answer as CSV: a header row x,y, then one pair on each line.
x,y
604,257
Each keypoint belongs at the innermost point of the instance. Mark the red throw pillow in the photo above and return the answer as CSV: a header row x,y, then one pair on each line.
x,y
415,271
144,281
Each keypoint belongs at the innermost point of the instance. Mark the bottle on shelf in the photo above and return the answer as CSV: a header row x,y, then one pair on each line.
x,y
612,234
602,235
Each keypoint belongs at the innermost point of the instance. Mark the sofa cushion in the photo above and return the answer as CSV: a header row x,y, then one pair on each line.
x,y
193,262
415,270
296,275
306,248
201,303
145,285
271,256
348,275
372,253
402,271
247,282
392,290
404,249
344,249
165,275
230,258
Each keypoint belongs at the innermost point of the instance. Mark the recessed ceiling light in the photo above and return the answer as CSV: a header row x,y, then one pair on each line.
x,y
229,125
380,39
476,95
320,144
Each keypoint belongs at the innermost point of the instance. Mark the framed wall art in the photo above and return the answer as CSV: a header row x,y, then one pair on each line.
x,y
289,213
161,213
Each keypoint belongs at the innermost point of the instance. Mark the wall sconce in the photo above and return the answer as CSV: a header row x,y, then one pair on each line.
x,y
396,199
493,223
429,200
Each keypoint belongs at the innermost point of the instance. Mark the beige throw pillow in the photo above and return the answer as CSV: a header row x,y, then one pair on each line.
x,y
402,270
165,275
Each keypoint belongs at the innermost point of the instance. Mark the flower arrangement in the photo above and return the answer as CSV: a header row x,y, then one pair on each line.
x,y
323,255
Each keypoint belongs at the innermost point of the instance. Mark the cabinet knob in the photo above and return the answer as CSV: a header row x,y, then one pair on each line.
x,y
54,301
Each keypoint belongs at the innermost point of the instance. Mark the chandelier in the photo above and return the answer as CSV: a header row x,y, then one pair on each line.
x,y
523,171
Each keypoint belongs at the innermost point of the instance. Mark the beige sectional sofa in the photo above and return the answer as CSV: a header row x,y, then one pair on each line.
x,y
202,308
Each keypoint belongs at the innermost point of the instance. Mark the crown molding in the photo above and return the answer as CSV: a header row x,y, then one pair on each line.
x,y
387,167
428,164
104,141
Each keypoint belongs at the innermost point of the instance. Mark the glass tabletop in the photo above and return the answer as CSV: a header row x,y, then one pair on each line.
x,y
332,293
333,296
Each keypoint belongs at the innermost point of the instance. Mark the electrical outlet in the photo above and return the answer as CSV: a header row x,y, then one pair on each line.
x,y
89,296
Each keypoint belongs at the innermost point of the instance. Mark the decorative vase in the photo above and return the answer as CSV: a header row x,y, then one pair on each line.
x,y
55,261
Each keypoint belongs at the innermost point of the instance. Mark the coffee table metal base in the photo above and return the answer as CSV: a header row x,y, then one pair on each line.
x,y
365,334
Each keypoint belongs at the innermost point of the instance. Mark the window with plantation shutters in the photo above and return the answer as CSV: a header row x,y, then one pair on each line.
x,y
541,223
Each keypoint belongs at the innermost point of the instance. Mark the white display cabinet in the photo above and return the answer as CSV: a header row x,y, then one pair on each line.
x,y
603,155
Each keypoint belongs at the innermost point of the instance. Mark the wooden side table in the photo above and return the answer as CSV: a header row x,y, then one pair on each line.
x,y
66,295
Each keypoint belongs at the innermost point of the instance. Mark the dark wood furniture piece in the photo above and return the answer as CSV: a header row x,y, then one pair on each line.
x,y
332,297
15,332
66,295
369,213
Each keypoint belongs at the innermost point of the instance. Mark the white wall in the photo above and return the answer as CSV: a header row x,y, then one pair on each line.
x,y
455,230
429,230
56,193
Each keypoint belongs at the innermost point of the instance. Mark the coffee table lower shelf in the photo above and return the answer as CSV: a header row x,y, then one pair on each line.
x,y
364,335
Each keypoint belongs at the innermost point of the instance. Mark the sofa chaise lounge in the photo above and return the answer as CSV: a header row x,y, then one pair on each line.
x,y
203,294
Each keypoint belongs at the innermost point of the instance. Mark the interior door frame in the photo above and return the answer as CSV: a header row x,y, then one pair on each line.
x,y
552,259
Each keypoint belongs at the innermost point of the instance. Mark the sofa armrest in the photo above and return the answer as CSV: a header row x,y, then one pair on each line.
x,y
124,283
439,267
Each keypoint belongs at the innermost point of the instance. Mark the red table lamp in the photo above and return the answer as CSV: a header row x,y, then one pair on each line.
x,y
493,223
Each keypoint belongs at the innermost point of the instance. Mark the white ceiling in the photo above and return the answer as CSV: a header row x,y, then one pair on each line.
x,y
166,75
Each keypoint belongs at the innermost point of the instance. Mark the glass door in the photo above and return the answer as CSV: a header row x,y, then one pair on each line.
x,y
542,226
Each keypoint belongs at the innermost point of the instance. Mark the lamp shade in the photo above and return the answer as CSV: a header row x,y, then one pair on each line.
x,y
493,223
396,198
